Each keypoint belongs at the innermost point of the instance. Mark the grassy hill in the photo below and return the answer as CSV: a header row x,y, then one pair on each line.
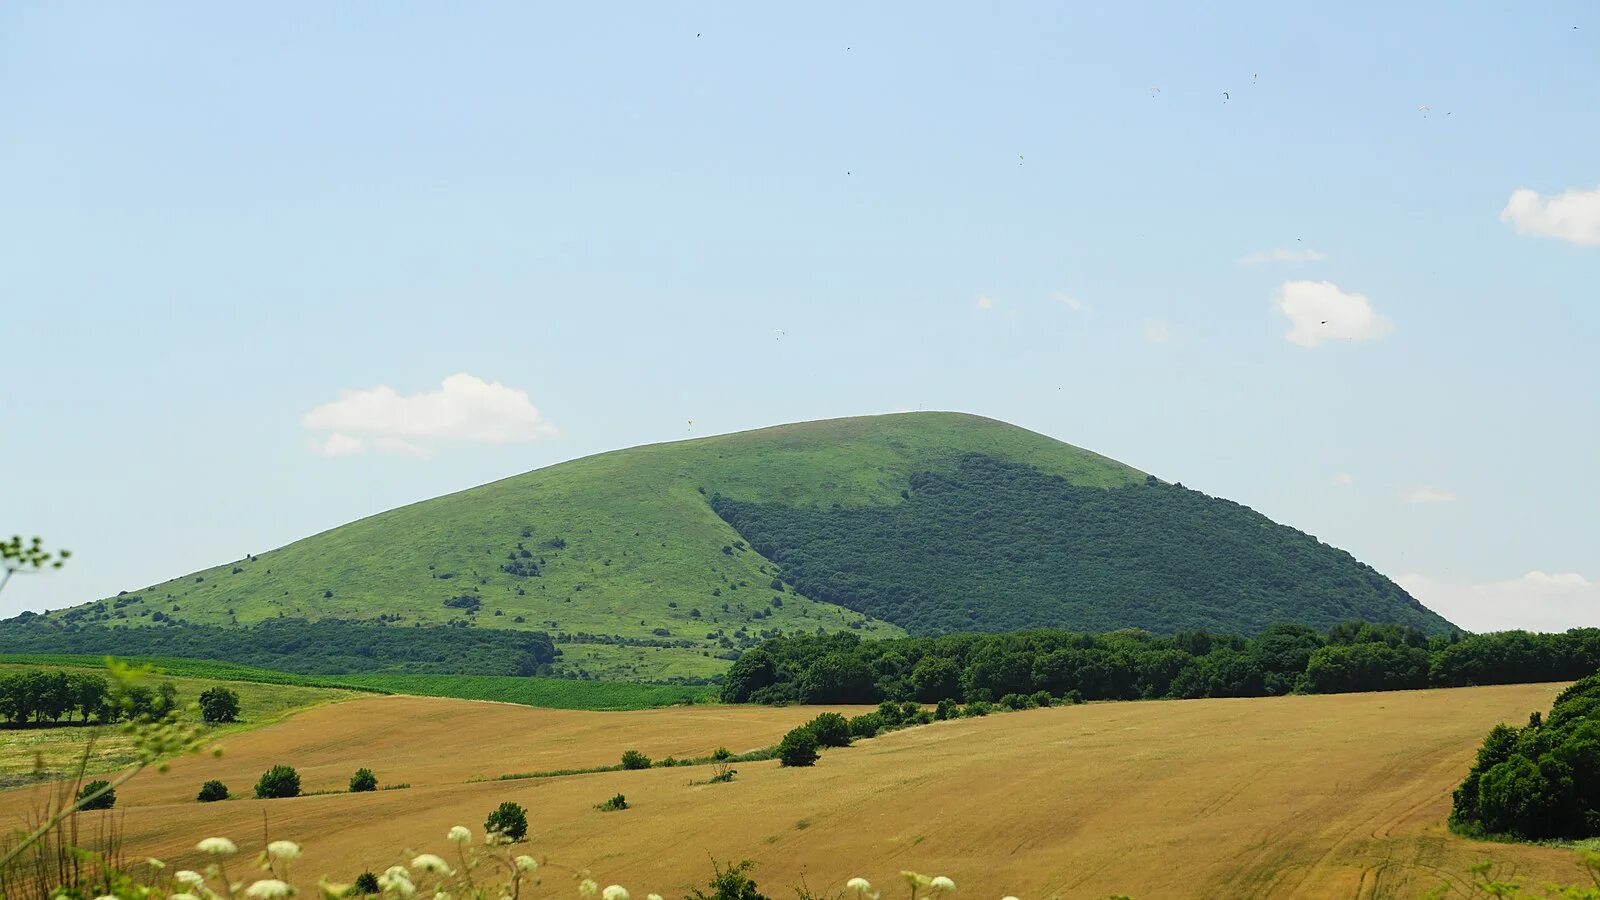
x,y
622,559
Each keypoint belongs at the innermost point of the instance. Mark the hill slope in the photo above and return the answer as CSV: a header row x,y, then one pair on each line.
x,y
623,560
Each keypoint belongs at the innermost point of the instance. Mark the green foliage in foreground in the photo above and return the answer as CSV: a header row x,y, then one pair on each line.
x,y
1540,781
1130,665
998,546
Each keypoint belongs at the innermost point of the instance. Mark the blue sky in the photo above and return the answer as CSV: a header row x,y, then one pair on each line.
x,y
215,220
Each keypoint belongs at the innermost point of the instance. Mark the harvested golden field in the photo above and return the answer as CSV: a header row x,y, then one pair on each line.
x,y
1328,796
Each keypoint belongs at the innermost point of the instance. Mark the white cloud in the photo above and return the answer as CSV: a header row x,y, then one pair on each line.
x,y
1072,303
1279,254
337,445
1573,216
1428,494
1343,479
985,302
1538,601
465,408
1319,311
1156,331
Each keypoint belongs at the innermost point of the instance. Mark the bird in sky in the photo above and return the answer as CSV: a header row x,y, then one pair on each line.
x,y
1224,96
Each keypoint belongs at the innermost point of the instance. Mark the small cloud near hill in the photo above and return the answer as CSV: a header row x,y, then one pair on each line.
x,y
465,409
1538,601
1429,494
1320,311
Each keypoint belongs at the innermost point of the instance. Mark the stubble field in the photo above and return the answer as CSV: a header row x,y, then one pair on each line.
x,y
1324,796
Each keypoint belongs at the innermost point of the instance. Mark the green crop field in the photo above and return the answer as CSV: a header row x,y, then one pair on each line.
x,y
552,693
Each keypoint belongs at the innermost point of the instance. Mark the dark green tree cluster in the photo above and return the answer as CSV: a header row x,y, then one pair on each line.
x,y
51,695
997,546
219,705
1032,667
323,647
1541,781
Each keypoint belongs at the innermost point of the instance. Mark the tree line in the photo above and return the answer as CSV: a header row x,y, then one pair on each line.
x,y
44,695
1132,664
323,647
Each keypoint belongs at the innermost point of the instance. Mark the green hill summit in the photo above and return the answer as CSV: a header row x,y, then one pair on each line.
x,y
666,560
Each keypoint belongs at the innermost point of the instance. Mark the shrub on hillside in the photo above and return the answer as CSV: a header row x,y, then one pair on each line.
x,y
1072,697
508,819
866,725
947,709
889,713
362,781
798,748
106,800
615,803
277,782
1016,701
831,729
1041,698
212,791
633,759
219,705
975,708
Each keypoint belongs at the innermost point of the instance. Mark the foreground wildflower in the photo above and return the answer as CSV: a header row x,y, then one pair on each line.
x,y
587,888
269,889
217,846
283,849
941,883
526,863
396,879
859,885
189,877
183,895
427,862
615,892
460,835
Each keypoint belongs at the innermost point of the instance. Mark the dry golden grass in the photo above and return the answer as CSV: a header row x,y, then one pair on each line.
x,y
1337,796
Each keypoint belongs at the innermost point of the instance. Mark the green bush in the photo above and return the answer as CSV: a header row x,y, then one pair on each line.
x,y
633,759
104,801
866,725
831,729
278,782
947,709
798,748
212,791
1072,697
362,781
1041,698
975,708
1015,701
615,803
731,883
219,705
889,712
508,819
366,884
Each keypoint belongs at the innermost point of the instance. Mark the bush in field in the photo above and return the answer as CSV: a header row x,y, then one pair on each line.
x,y
976,708
633,759
104,801
508,819
947,709
831,730
366,884
277,782
731,883
212,791
866,725
615,803
798,748
219,705
1072,697
1041,698
1016,701
362,781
